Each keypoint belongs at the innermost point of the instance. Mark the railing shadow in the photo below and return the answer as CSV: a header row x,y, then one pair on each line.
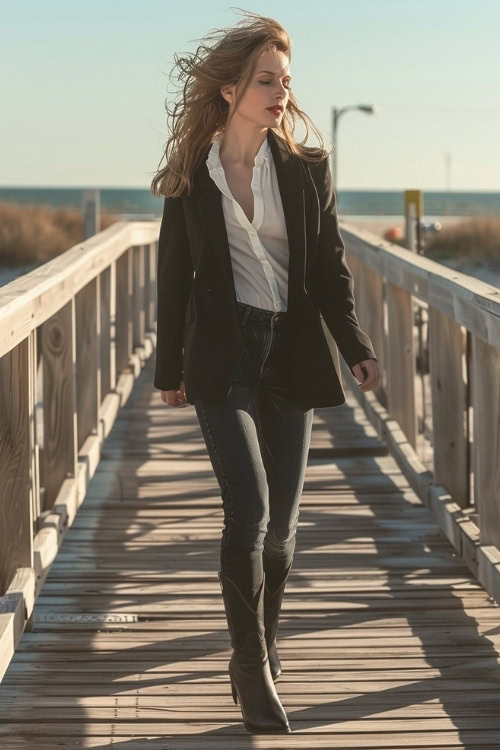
x,y
457,691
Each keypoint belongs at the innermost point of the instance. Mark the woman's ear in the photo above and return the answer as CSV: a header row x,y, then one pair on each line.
x,y
227,93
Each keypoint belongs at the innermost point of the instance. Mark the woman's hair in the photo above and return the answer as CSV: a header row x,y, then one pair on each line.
x,y
202,112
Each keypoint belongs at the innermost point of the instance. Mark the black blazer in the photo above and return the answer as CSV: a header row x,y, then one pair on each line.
x,y
198,332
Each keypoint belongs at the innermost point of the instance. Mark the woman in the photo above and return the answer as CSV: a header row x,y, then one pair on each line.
x,y
249,256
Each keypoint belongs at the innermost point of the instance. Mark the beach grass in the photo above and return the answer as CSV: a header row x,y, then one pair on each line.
x,y
37,233
476,238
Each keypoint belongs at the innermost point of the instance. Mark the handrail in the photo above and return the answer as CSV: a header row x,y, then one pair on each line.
x,y
436,333
74,334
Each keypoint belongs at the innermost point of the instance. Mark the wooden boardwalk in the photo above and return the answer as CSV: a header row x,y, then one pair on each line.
x,y
386,641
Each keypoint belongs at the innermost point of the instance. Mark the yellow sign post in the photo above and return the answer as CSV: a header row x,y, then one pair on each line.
x,y
414,209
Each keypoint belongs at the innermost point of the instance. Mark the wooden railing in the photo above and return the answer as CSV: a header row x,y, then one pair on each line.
x,y
436,333
74,334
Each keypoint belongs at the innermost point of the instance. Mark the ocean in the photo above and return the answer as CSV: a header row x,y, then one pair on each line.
x,y
131,203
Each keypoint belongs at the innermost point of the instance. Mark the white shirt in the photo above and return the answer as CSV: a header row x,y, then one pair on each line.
x,y
259,249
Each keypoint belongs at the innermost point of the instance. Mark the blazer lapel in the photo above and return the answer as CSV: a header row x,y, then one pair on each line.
x,y
289,172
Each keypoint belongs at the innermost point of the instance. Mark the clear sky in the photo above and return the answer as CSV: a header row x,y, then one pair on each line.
x,y
83,86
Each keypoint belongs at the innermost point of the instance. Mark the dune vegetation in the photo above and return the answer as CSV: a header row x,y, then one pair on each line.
x,y
474,239
37,233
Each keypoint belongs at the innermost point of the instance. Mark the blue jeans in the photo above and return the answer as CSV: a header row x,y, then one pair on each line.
x,y
258,444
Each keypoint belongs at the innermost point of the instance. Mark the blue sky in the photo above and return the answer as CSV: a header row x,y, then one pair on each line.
x,y
83,86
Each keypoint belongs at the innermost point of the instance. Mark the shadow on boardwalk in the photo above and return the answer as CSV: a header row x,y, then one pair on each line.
x,y
386,639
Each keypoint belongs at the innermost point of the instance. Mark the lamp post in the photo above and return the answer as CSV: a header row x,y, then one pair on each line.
x,y
369,109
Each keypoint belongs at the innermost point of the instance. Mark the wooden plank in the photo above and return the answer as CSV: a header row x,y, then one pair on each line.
x,y
213,739
401,361
485,379
449,404
477,727
369,292
369,637
150,284
324,708
124,321
107,688
107,318
31,299
130,643
30,675
470,302
59,455
434,742
138,296
87,369
197,588
16,522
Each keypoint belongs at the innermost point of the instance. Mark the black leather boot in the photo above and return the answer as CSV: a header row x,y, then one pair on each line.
x,y
272,609
251,680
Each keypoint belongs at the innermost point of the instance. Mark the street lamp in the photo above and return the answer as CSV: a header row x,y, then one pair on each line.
x,y
369,109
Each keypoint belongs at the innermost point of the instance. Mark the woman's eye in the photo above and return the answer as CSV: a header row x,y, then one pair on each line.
x,y
287,86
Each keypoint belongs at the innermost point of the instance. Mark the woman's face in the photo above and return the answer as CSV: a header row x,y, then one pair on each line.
x,y
268,87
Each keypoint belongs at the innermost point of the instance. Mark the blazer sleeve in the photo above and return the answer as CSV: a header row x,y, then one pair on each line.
x,y
332,281
174,281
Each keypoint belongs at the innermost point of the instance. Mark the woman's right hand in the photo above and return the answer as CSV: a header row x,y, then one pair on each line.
x,y
175,397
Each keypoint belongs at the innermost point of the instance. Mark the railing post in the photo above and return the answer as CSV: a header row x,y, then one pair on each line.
x,y
108,329
59,400
138,296
91,209
485,397
401,361
124,329
369,293
448,396
88,386
150,286
16,462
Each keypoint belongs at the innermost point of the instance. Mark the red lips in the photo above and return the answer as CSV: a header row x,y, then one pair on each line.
x,y
276,109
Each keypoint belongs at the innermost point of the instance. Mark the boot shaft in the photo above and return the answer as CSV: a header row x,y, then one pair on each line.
x,y
245,619
272,607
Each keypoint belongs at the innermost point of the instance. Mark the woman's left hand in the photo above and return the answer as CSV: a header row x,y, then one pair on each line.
x,y
372,372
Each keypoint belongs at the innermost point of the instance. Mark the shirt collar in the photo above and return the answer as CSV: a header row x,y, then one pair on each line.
x,y
213,160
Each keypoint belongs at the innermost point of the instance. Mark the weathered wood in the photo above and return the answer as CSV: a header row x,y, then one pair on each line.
x,y
150,285
401,361
138,296
443,740
16,441
485,382
372,594
34,297
131,620
449,404
124,321
16,608
471,302
35,406
88,386
107,351
59,401
441,731
369,293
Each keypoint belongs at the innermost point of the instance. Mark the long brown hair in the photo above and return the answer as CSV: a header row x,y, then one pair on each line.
x,y
202,112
